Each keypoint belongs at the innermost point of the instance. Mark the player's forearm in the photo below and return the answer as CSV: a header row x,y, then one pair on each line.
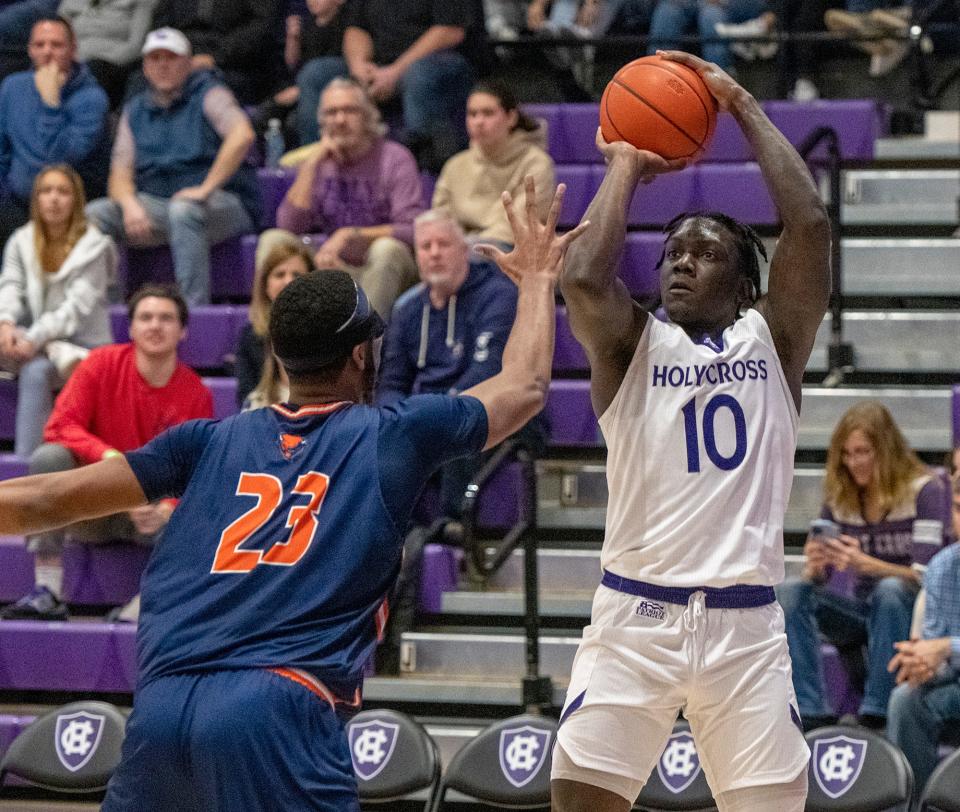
x,y
48,501
786,175
529,348
592,261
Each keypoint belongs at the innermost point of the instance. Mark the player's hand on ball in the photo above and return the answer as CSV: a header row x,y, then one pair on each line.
x,y
537,248
723,86
649,164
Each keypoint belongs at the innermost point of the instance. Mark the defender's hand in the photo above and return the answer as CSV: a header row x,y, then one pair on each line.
x,y
537,248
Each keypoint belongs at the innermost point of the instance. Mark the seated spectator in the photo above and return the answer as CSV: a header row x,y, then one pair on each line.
x,y
53,297
110,34
875,489
409,51
874,18
177,176
926,702
589,19
16,21
239,38
363,191
314,33
283,263
672,18
506,145
156,390
54,113
446,335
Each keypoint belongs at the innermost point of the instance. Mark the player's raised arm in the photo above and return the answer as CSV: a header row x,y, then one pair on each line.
x,y
603,316
48,501
799,286
519,390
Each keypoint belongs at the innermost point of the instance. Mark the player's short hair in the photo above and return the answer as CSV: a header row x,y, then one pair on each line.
x,y
160,291
318,319
746,239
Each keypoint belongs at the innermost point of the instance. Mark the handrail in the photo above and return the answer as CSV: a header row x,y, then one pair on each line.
x,y
841,359
485,558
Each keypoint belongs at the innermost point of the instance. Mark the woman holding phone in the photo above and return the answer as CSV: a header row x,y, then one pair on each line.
x,y
880,503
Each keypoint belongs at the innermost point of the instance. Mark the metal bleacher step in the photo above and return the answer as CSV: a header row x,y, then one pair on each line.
x,y
416,690
504,597
900,196
572,494
895,340
483,656
882,266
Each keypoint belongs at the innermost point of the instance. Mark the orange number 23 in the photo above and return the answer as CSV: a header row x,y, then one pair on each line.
x,y
302,521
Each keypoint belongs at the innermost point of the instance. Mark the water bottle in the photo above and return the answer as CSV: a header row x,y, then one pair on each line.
x,y
273,143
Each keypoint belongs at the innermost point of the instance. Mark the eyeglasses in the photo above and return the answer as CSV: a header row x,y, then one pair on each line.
x,y
347,110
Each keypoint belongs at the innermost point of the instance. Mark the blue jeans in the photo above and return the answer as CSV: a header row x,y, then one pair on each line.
x,y
36,381
881,620
188,227
671,18
433,93
917,718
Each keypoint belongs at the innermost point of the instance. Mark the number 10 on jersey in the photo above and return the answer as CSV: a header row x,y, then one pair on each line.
x,y
692,430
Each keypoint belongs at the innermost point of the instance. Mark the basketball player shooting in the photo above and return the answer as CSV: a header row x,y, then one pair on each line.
x,y
700,420
263,600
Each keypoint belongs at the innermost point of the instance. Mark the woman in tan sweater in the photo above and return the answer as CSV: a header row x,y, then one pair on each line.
x,y
505,146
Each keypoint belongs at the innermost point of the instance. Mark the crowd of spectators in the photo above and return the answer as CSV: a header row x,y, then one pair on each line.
x,y
372,92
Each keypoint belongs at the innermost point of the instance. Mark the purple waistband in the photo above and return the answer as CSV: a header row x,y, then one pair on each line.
x,y
739,596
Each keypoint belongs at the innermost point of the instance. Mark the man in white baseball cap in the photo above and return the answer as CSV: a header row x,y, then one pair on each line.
x,y
177,174
167,39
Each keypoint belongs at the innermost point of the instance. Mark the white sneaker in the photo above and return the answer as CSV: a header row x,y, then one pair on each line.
x,y
804,91
749,51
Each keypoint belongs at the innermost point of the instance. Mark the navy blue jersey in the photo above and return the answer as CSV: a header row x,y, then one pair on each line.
x,y
289,532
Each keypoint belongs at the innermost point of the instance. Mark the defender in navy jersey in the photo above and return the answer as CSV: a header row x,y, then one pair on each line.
x,y
699,414
265,597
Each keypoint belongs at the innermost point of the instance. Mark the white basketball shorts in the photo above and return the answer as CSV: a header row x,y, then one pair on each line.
x,y
641,661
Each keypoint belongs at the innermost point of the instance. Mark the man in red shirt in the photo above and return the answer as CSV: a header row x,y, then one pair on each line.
x,y
118,398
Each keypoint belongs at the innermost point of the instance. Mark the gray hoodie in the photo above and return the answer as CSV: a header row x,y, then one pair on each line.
x,y
111,30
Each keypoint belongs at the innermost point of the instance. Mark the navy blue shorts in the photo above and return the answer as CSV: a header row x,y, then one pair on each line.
x,y
232,740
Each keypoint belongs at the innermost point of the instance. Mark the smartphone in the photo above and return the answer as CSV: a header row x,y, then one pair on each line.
x,y
824,529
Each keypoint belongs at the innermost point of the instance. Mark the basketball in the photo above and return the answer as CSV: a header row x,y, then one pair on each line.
x,y
661,106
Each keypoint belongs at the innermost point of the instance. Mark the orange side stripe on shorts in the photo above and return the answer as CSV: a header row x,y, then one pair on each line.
x,y
308,681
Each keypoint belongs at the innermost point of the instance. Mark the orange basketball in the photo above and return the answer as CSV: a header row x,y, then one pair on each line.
x,y
660,106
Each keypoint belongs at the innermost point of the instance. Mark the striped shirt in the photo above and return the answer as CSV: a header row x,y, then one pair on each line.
x,y
941,616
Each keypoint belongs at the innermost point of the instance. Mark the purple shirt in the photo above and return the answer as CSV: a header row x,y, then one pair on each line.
x,y
382,188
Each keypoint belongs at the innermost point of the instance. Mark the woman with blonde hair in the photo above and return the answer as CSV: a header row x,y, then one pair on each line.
x,y
285,259
883,511
53,297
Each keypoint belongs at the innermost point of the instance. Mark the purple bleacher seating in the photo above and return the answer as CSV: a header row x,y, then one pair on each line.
x,y
568,354
73,656
842,697
571,130
858,122
274,184
212,333
427,183
956,416
638,266
728,142
12,466
16,568
734,188
582,184
228,275
224,391
96,574
440,573
572,421
8,409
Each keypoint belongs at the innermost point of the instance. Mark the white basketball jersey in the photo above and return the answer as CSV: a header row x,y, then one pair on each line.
x,y
700,444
